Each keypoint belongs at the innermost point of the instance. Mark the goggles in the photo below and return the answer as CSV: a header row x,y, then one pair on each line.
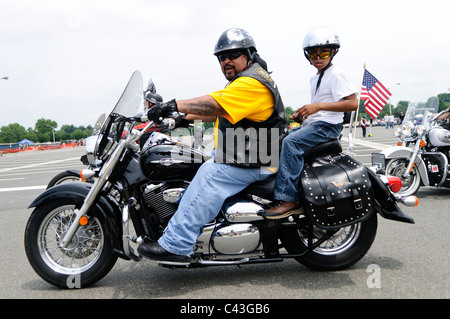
x,y
231,55
322,56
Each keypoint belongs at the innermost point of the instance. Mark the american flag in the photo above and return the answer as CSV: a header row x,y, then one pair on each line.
x,y
374,93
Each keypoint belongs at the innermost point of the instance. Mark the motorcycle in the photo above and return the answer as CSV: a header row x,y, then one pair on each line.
x,y
72,175
77,231
423,152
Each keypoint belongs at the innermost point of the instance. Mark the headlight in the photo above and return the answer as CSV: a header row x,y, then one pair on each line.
x,y
92,144
407,128
420,130
398,132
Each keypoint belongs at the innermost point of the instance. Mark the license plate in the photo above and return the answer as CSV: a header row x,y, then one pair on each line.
x,y
378,160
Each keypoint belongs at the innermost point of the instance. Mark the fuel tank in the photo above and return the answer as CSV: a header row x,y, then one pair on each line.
x,y
164,158
439,136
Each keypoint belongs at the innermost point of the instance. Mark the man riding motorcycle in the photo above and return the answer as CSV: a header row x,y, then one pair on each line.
x,y
151,99
250,100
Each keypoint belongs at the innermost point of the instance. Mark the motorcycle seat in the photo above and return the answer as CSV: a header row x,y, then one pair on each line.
x,y
264,189
331,147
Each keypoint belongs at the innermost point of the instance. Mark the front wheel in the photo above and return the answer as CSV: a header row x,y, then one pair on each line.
x,y
410,182
87,258
343,249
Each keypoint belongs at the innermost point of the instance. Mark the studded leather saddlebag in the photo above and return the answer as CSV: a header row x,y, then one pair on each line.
x,y
336,191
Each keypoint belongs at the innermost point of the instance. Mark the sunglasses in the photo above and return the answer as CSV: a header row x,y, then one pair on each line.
x,y
230,55
322,56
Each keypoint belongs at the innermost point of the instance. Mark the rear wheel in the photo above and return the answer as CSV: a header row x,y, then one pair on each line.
x,y
344,248
88,257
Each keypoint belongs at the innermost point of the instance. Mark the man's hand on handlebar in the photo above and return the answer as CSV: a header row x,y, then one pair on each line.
x,y
161,111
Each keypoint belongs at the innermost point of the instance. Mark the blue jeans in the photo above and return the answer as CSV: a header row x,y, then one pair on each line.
x,y
202,201
291,159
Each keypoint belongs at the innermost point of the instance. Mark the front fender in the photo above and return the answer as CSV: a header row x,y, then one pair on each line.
x,y
106,208
406,152
76,191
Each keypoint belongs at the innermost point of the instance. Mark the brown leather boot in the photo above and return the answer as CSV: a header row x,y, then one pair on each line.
x,y
282,210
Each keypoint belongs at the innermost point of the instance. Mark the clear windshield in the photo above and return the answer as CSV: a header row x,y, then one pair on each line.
x,y
131,98
421,109
127,107
98,125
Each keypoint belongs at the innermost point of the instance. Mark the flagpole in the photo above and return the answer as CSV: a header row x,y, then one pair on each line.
x,y
351,132
357,110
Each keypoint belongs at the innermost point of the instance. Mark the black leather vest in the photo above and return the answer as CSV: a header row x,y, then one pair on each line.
x,y
248,143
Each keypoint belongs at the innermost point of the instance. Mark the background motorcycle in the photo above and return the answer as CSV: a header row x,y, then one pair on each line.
x,y
78,230
73,175
422,157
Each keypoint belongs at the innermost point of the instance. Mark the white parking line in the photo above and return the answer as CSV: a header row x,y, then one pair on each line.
x,y
38,164
11,179
367,143
26,188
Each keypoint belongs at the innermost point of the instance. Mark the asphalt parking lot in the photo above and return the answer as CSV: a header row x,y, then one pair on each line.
x,y
405,261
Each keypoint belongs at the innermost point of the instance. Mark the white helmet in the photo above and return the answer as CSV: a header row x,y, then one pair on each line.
x,y
321,37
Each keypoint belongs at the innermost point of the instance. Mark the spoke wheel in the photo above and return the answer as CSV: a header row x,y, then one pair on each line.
x,y
410,183
88,255
344,248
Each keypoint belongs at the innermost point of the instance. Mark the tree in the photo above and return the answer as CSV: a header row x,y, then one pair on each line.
x,y
402,106
12,133
288,111
78,134
444,101
44,129
69,129
31,135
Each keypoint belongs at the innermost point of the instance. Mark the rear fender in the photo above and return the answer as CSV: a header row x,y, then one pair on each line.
x,y
385,202
406,152
106,208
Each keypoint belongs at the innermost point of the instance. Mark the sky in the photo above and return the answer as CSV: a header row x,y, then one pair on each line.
x,y
69,60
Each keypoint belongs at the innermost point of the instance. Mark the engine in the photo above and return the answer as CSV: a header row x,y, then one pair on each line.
x,y
163,198
237,234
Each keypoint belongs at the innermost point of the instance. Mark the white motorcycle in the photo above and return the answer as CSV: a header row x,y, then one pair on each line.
x,y
422,156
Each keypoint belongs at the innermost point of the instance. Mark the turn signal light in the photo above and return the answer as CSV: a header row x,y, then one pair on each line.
x,y
395,183
410,200
423,143
86,173
83,220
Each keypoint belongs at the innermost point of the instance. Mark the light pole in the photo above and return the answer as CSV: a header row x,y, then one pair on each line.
x,y
53,131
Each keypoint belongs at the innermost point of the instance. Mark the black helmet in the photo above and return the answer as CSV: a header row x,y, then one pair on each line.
x,y
153,97
235,39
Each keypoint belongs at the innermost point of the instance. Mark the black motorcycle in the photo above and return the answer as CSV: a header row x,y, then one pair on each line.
x,y
78,230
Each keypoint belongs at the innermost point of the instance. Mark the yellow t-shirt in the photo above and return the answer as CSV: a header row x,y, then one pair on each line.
x,y
245,97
